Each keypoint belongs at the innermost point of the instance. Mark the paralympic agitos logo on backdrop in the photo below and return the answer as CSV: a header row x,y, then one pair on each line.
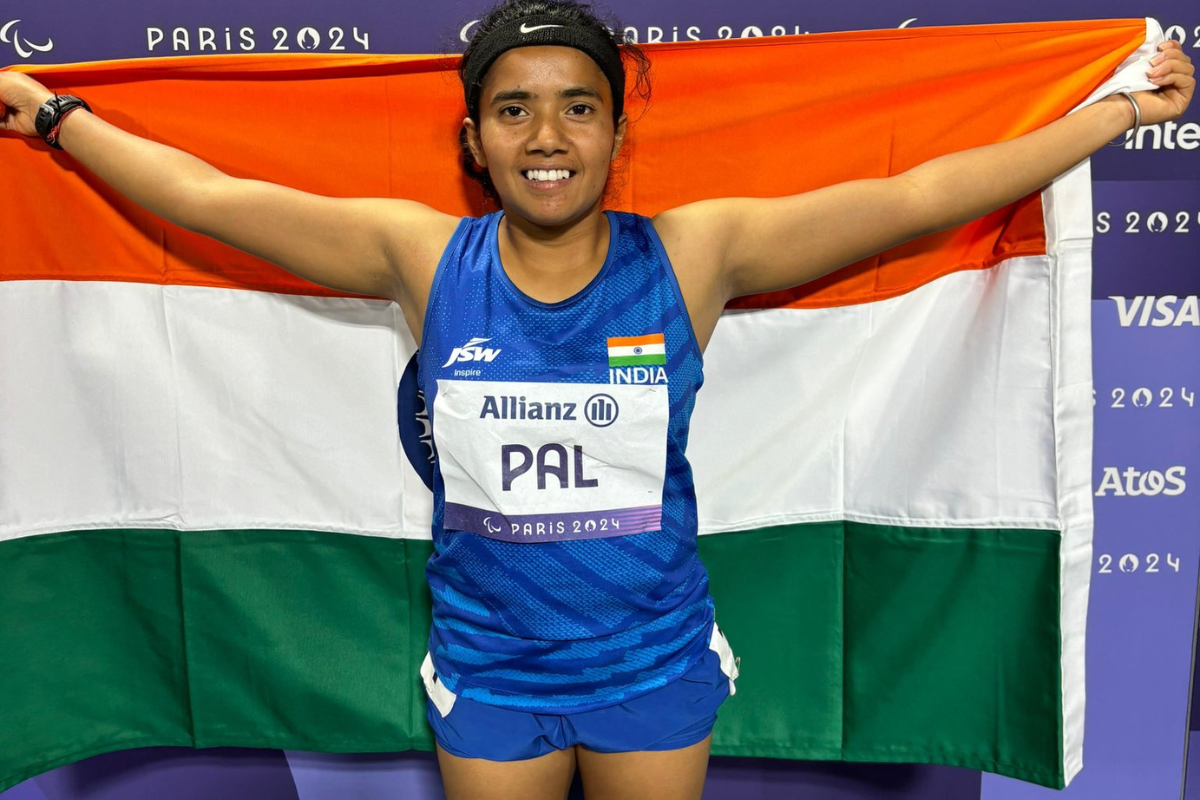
x,y
10,33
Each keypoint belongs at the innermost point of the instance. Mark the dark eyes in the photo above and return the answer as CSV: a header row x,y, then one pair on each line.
x,y
579,109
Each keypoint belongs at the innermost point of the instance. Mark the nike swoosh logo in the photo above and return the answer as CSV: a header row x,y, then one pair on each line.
x,y
526,29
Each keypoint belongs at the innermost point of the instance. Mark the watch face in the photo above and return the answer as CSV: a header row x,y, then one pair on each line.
x,y
42,121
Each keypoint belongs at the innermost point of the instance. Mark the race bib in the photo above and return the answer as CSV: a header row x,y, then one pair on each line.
x,y
538,462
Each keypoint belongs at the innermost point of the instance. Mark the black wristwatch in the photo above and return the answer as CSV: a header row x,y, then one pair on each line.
x,y
50,116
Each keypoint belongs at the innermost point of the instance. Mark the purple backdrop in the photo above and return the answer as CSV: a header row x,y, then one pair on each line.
x,y
1142,606
1147,206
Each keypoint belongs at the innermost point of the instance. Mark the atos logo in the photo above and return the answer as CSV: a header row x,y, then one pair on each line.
x,y
471,351
1166,311
23,46
1134,483
601,410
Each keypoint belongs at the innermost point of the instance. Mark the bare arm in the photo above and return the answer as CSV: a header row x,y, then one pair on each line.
x,y
933,196
744,246
371,246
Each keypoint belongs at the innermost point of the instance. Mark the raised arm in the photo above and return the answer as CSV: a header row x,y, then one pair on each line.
x,y
738,246
372,246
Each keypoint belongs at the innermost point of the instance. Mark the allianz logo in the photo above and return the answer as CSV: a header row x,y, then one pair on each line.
x,y
471,351
1132,482
1165,136
1164,311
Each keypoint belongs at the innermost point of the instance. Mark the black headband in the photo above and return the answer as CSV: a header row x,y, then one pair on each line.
x,y
542,30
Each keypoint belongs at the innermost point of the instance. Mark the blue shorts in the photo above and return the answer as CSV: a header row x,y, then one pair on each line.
x,y
677,715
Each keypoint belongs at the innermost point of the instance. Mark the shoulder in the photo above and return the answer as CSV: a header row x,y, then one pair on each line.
x,y
415,237
695,238
416,225
696,226
697,234
418,235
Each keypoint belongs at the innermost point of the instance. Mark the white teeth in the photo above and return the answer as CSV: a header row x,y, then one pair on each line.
x,y
547,174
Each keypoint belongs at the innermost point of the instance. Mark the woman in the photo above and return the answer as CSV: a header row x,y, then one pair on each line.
x,y
572,620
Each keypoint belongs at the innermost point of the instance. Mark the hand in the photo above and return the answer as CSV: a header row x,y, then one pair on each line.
x,y
1173,71
20,95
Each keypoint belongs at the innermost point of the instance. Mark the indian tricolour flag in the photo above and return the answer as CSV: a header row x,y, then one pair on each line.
x,y
211,535
637,351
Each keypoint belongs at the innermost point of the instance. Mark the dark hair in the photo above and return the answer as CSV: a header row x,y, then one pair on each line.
x,y
572,14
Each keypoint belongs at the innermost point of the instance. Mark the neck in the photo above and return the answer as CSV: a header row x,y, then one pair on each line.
x,y
553,263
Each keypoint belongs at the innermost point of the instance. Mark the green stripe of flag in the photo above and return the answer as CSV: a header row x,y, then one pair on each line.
x,y
636,361
857,642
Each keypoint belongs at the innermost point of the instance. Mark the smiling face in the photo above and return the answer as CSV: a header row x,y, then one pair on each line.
x,y
546,133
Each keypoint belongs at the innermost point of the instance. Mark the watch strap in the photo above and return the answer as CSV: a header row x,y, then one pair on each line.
x,y
51,115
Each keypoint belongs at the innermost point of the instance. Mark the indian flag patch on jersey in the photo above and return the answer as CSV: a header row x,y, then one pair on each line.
x,y
637,351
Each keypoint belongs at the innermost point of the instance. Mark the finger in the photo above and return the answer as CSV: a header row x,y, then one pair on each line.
x,y
1170,79
1169,66
1175,55
1165,71
1170,55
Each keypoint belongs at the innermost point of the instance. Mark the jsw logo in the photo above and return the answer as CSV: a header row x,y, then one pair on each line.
x,y
471,351
1132,483
1158,312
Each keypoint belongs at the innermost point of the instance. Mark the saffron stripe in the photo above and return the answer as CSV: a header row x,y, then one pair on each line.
x,y
634,341
156,253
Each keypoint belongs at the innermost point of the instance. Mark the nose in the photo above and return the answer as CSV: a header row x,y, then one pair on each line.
x,y
548,136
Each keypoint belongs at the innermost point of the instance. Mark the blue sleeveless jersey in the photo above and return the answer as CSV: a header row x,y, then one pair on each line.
x,y
565,574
